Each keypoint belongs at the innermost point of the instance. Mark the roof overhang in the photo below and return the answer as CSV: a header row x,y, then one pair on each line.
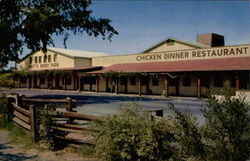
x,y
222,64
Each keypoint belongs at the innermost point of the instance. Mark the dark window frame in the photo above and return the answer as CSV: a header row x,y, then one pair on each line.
x,y
186,81
132,81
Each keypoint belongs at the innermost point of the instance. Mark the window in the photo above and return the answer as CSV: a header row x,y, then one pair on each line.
x,y
186,81
23,80
68,80
205,82
40,59
35,59
30,60
49,58
144,80
233,82
218,81
55,57
93,80
45,58
42,80
132,81
155,81
173,82
170,42
123,81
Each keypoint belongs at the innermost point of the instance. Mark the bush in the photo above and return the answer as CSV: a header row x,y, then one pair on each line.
x,y
46,128
225,135
134,135
227,127
4,110
6,80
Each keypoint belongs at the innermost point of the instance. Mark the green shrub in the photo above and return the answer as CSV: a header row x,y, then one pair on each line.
x,y
4,110
227,127
134,135
46,128
6,80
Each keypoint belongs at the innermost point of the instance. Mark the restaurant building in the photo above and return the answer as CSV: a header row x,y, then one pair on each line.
x,y
172,68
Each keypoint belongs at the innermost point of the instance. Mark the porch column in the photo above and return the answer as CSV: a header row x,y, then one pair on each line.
x,y
39,76
97,84
198,87
166,86
126,85
80,83
237,83
19,82
64,82
47,80
139,86
28,82
117,85
147,85
107,84
177,86
73,81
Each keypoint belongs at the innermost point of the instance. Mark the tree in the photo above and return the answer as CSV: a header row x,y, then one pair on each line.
x,y
33,22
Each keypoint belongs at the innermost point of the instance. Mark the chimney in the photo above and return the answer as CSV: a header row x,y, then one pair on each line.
x,y
211,39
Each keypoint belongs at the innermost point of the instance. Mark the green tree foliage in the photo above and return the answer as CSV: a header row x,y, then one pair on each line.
x,y
6,80
134,135
227,127
33,22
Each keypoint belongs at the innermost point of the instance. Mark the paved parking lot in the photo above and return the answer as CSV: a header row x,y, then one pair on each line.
x,y
105,103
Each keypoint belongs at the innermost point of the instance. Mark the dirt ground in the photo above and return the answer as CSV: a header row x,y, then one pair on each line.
x,y
13,152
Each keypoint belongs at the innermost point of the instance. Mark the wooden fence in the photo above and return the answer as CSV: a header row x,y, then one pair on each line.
x,y
68,121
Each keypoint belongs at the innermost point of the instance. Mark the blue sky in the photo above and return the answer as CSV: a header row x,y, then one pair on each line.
x,y
142,24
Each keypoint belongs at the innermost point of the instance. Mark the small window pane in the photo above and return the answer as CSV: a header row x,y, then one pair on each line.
x,y
49,58
132,81
55,57
155,82
30,60
40,59
45,58
218,81
123,81
36,59
186,81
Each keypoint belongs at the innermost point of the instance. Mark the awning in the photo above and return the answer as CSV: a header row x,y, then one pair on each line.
x,y
222,64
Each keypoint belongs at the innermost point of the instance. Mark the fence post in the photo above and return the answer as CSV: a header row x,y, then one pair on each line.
x,y
33,122
69,109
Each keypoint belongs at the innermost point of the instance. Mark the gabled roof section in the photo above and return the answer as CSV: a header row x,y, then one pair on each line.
x,y
76,53
70,53
196,45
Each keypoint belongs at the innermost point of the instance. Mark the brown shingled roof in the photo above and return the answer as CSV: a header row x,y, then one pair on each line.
x,y
222,64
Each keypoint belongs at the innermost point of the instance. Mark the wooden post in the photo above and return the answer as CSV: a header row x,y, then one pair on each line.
x,y
177,86
237,83
97,84
79,84
33,122
166,86
69,108
147,84
28,82
198,87
19,82
117,85
107,84
139,86
64,81
73,81
126,85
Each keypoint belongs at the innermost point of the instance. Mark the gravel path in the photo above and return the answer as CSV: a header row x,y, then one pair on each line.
x,y
10,152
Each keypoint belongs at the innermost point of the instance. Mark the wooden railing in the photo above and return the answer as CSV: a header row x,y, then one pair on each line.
x,y
68,121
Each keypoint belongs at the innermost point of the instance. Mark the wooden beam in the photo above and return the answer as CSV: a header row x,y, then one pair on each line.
x,y
21,123
198,87
166,85
79,83
80,116
33,122
21,116
20,109
139,86
75,127
237,83
117,85
97,84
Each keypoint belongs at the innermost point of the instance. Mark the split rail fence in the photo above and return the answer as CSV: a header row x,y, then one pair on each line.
x,y
75,124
